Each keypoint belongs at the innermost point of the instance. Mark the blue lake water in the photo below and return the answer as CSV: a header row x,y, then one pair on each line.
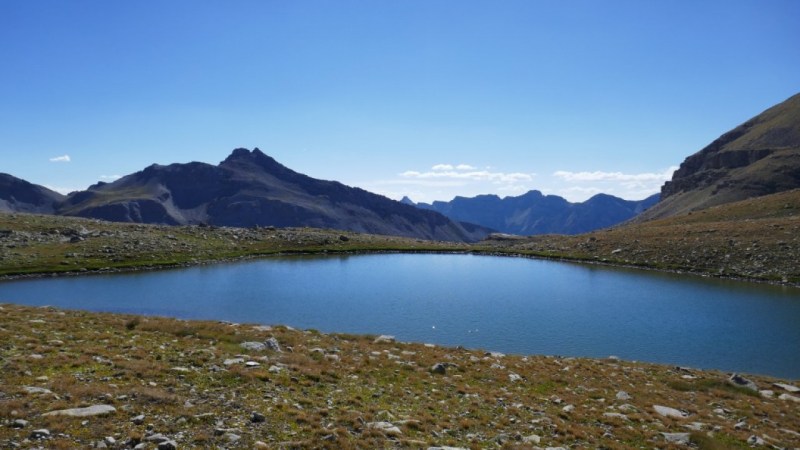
x,y
511,305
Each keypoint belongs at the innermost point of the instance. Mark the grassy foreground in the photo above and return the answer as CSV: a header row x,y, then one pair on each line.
x,y
184,384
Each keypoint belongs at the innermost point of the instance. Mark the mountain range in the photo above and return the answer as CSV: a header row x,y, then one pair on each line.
x,y
247,189
535,213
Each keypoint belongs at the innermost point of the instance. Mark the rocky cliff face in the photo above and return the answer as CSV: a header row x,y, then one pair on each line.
x,y
759,157
250,188
18,195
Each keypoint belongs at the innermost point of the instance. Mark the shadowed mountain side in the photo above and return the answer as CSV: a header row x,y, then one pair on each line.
x,y
252,189
535,213
759,157
18,195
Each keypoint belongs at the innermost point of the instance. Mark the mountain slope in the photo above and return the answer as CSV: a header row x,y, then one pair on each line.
x,y
759,157
252,189
18,195
534,213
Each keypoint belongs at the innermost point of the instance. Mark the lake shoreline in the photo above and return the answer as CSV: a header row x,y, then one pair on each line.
x,y
323,253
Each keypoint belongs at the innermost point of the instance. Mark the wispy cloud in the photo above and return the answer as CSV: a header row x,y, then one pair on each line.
x,y
110,177
62,158
467,172
616,176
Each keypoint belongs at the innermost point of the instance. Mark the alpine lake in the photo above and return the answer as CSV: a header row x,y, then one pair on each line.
x,y
504,304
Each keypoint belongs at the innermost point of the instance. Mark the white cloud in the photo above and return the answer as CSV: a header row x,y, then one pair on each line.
x,y
465,167
616,176
110,177
439,167
62,158
475,175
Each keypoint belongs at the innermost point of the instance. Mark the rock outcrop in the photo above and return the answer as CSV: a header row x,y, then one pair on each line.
x,y
18,195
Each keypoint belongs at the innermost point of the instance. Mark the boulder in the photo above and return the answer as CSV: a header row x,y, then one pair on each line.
x,y
666,411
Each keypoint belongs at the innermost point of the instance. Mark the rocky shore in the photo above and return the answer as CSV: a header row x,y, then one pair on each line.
x,y
73,379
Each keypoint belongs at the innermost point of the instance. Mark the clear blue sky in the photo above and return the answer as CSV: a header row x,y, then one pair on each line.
x,y
568,97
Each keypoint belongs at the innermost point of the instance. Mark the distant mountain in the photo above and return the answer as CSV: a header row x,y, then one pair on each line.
x,y
535,213
18,195
250,188
759,157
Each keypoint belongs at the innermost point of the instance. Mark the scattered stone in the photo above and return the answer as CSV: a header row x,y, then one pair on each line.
x,y
168,445
181,369
789,397
568,409
622,395
740,425
19,423
41,433
109,440
232,361
787,387
231,437
94,410
755,441
531,439
257,417
156,438
36,390
252,364
514,377
260,445
253,346
274,369
447,448
670,412
272,344
740,381
386,427
614,415
766,393
439,368
138,420
383,338
677,438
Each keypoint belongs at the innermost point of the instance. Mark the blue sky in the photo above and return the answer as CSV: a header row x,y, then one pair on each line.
x,y
425,98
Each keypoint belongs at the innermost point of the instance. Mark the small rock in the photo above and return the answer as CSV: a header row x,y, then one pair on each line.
x,y
531,439
168,445
614,415
787,387
261,445
568,408
232,361
41,433
138,420
156,438
94,410
678,438
273,344
252,364
740,381
36,390
791,398
670,412
274,369
257,417
386,427
766,393
755,440
109,440
514,377
254,346
622,395
231,437
740,425
383,338
19,423
439,368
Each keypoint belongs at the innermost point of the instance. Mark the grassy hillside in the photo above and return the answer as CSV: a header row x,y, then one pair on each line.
x,y
757,239
31,244
185,384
